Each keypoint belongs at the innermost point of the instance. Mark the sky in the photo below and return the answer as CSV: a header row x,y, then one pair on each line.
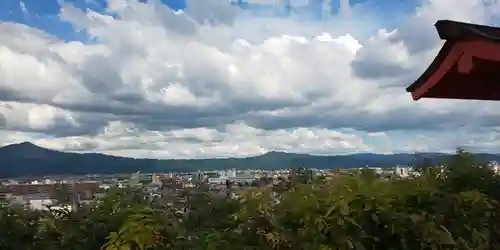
x,y
215,78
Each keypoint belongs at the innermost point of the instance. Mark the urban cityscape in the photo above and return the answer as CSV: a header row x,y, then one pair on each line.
x,y
249,125
44,192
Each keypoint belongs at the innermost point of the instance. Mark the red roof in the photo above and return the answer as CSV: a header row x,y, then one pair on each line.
x,y
466,67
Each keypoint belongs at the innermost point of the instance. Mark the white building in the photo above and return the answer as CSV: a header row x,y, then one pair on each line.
x,y
35,204
403,172
231,175
197,177
495,167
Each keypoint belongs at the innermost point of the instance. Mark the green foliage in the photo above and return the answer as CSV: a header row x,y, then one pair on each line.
x,y
63,195
452,208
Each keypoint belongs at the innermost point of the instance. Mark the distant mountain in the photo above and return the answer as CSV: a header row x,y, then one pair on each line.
x,y
28,159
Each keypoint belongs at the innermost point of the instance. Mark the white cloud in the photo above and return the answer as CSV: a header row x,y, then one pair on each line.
x,y
231,140
23,8
25,116
213,81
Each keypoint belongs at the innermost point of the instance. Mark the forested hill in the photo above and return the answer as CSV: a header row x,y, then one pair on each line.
x,y
28,159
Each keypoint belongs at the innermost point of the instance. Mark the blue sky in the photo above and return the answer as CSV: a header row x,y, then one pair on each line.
x,y
305,82
43,14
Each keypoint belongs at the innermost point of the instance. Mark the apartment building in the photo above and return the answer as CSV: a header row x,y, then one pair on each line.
x,y
40,191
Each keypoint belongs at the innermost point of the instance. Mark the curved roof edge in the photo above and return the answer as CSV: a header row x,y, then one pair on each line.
x,y
438,60
453,32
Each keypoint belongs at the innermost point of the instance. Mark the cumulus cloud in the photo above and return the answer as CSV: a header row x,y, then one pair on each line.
x,y
236,139
213,81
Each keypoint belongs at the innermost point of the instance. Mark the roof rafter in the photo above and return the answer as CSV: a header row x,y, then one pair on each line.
x,y
461,65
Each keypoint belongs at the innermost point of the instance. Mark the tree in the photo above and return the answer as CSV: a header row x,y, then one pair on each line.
x,y
368,174
62,194
301,175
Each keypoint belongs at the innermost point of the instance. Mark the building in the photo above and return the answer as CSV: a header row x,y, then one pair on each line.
x,y
494,166
302,175
42,191
402,172
157,179
466,67
233,177
198,177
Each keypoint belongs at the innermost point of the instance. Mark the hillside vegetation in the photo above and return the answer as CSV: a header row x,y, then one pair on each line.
x,y
457,208
26,159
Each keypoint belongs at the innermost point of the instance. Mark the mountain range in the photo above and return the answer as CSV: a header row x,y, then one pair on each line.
x,y
27,159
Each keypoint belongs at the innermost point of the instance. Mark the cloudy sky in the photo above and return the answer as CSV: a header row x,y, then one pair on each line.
x,y
211,78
